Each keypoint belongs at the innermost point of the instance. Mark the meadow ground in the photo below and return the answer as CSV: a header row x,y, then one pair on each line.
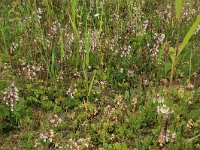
x,y
99,74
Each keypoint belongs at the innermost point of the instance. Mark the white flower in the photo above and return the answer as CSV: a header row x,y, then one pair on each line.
x,y
96,15
163,110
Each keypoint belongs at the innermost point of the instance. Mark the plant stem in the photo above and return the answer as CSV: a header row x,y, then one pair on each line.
x,y
174,62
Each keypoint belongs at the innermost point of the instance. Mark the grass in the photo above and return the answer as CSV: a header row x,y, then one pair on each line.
x,y
111,74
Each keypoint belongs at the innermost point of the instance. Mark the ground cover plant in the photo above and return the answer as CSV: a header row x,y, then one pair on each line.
x,y
99,74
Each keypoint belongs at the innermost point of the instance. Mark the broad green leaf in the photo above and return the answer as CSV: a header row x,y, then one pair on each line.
x,y
189,34
178,8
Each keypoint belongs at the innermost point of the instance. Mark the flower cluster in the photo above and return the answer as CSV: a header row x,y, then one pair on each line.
x,y
165,14
110,112
159,99
167,137
187,11
163,81
94,40
170,136
190,124
112,43
29,71
159,38
53,30
135,104
60,76
163,110
197,30
38,14
11,96
120,103
190,86
76,144
37,143
55,120
125,51
47,136
12,48
72,91
145,25
146,82
68,41
181,92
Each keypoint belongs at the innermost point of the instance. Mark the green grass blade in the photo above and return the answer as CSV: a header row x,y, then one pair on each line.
x,y
74,28
189,35
53,64
62,53
178,8
74,8
87,46
91,84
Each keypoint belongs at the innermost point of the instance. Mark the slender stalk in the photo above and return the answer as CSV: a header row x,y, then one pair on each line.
x,y
174,62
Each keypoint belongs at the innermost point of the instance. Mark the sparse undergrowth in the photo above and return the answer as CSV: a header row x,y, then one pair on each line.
x,y
99,74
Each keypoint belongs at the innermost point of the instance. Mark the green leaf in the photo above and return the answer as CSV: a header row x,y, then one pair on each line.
x,y
178,8
3,84
189,34
124,146
117,146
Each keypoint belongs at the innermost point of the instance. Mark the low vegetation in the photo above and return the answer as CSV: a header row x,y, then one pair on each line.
x,y
99,74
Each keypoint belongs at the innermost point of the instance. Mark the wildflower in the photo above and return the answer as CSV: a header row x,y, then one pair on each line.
x,y
12,48
146,82
170,136
180,92
163,110
28,70
71,92
166,137
102,83
135,104
96,15
125,51
190,86
163,81
75,145
11,96
130,73
145,25
159,38
47,136
190,124
55,120
37,143
197,30
121,70
58,146
161,139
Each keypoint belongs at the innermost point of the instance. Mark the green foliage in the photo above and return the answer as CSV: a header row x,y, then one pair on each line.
x,y
96,74
189,34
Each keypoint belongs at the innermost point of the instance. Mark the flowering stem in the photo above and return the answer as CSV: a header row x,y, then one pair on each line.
x,y
174,62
